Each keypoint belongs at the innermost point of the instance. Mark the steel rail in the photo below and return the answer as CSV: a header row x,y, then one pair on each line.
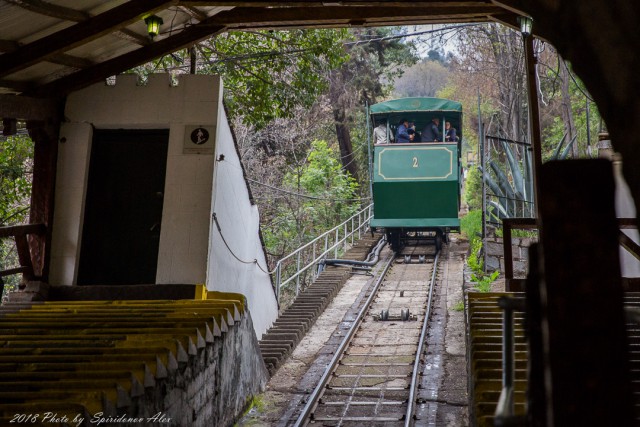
x,y
408,420
324,380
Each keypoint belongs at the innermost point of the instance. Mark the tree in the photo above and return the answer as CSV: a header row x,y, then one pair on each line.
x,y
491,57
423,79
16,171
16,161
317,195
266,74
373,59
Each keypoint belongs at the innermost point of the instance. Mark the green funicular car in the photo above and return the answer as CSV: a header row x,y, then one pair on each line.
x,y
416,185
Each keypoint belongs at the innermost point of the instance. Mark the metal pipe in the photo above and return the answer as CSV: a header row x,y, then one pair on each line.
x,y
324,380
408,419
298,276
376,252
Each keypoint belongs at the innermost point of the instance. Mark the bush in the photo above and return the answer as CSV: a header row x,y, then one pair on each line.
x,y
483,283
471,225
473,189
474,261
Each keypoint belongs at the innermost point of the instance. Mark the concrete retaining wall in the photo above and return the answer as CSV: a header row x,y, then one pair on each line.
x,y
212,389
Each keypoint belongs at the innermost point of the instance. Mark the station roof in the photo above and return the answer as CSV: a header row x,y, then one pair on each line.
x,y
50,48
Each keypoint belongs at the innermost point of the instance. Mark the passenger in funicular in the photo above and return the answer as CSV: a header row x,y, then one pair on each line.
x,y
380,134
431,133
450,133
402,135
413,135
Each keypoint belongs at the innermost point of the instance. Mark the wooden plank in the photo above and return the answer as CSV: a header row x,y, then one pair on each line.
x,y
584,337
24,256
247,17
95,74
22,230
45,156
50,9
78,34
347,3
27,108
12,271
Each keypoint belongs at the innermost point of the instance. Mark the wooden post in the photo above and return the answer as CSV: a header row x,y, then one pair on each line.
x,y
536,397
584,335
45,156
534,115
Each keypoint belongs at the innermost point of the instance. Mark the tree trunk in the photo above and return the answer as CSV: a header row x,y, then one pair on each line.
x,y
567,113
344,140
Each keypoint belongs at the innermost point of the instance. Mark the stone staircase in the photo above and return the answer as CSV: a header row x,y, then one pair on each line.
x,y
192,361
484,349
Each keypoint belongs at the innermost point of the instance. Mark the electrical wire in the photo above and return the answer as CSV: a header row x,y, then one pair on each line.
x,y
293,193
576,83
399,36
255,260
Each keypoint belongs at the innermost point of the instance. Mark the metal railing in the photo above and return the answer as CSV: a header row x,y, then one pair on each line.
x,y
505,414
316,250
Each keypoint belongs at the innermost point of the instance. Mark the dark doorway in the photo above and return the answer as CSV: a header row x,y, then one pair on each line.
x,y
123,209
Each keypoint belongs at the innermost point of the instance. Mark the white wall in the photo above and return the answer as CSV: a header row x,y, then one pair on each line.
x,y
625,208
233,269
73,168
186,254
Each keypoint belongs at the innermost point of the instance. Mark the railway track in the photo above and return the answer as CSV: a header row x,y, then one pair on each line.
x,y
374,375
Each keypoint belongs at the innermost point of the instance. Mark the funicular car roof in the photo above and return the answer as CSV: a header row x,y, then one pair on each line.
x,y
419,110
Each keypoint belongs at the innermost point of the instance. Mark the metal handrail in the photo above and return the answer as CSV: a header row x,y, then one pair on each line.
x,y
349,230
505,414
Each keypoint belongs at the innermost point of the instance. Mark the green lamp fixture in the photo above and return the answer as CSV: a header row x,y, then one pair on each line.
x,y
526,23
153,25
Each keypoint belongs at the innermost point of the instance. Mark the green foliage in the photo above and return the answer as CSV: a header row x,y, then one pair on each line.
x,y
556,130
483,282
474,261
266,74
16,159
16,154
333,193
473,189
471,224
459,306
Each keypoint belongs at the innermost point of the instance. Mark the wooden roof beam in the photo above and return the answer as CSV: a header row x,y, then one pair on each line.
x,y
347,3
26,108
52,10
76,35
101,71
60,58
68,14
296,17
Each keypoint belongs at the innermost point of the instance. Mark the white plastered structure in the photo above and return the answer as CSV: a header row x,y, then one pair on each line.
x,y
191,249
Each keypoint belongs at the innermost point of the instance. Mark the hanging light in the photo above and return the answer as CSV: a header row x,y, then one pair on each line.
x,y
526,23
153,25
